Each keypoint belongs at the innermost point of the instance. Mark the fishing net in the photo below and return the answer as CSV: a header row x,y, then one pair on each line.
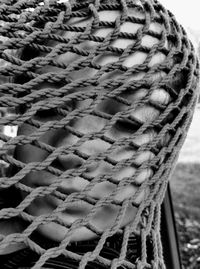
x,y
100,93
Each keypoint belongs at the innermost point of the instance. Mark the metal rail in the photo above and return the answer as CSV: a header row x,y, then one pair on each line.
x,y
169,233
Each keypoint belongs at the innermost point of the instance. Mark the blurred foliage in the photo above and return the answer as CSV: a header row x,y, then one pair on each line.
x,y
189,231
185,185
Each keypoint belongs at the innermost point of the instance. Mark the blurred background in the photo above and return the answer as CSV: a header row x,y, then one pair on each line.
x,y
185,181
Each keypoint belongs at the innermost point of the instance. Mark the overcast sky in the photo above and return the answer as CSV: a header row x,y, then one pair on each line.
x,y
187,12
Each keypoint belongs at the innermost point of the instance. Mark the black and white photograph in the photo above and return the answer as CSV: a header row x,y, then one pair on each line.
x,y
99,134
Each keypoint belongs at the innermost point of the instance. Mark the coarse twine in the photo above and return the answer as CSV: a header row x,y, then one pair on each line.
x,y
28,25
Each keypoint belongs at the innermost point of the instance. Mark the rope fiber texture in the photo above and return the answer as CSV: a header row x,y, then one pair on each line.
x,y
52,81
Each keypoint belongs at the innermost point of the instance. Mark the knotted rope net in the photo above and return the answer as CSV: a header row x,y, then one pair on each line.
x,y
101,94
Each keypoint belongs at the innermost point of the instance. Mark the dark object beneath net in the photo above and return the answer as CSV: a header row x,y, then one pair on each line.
x,y
26,258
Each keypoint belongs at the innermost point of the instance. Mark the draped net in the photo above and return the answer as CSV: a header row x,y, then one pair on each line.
x,y
33,26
